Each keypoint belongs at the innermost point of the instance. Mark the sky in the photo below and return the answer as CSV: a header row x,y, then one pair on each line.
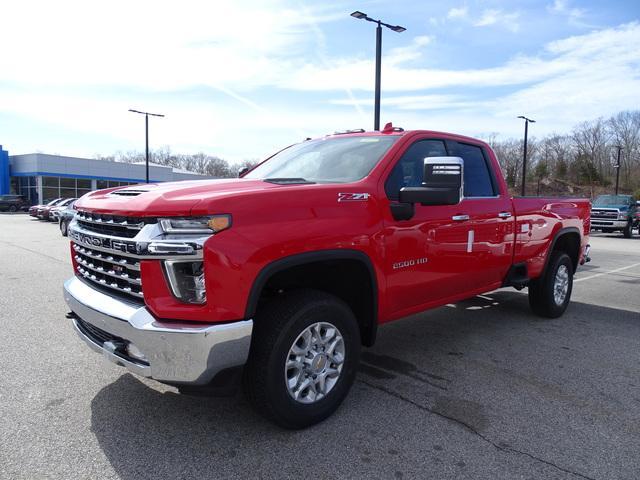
x,y
241,80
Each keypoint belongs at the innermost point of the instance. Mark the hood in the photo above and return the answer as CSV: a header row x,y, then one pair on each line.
x,y
169,199
621,208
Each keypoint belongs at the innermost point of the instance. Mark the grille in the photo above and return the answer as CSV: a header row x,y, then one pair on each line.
x,y
99,337
114,225
110,271
94,333
606,214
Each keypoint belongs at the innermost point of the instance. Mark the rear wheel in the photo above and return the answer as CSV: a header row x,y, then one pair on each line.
x,y
303,360
550,294
628,230
13,208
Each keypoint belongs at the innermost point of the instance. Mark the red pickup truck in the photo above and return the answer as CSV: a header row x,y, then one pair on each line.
x,y
279,277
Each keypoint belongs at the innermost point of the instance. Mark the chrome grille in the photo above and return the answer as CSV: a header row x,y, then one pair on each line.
x,y
605,214
112,271
118,226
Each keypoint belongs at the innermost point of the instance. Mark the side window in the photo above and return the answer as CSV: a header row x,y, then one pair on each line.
x,y
409,171
478,181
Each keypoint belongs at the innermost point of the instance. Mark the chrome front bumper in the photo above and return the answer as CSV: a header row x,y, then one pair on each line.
x,y
176,352
597,223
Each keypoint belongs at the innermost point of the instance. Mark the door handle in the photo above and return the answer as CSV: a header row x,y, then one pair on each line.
x,y
460,218
504,215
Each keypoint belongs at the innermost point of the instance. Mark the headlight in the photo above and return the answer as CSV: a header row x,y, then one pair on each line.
x,y
186,280
622,216
202,225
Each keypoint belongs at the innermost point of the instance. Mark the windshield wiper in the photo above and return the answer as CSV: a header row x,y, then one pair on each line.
x,y
289,181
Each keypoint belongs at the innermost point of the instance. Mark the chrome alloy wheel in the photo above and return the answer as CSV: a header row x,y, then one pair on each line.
x,y
561,285
314,362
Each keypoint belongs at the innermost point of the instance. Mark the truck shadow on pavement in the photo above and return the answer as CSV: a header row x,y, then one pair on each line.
x,y
485,378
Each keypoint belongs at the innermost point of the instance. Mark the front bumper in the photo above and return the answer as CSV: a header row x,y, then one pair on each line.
x,y
176,352
596,223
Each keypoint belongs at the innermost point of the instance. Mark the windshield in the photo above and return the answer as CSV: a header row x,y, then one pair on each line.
x,y
329,160
611,200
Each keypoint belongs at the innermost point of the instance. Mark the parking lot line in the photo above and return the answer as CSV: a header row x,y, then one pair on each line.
x,y
607,273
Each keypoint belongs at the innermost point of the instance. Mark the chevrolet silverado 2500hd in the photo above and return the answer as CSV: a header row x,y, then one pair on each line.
x,y
280,276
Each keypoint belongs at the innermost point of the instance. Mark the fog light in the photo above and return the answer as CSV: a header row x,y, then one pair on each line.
x,y
134,352
186,280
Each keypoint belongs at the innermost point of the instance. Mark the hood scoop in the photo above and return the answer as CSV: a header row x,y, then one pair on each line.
x,y
128,192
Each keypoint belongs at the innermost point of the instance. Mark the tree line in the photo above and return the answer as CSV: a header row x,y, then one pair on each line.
x,y
202,163
581,162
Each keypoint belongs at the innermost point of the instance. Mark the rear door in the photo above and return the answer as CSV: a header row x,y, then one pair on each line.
x,y
490,220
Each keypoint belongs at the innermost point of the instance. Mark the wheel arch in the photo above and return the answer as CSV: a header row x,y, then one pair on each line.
x,y
567,240
314,270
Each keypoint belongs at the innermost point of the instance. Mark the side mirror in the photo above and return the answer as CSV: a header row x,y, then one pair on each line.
x,y
242,171
442,185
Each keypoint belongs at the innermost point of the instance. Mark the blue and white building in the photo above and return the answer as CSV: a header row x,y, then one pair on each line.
x,y
40,177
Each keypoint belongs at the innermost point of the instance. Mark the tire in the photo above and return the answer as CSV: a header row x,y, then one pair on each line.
x,y
279,329
628,230
12,208
64,227
542,298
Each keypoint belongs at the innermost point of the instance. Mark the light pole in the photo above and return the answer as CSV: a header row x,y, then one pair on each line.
x,y
617,167
146,135
395,28
524,157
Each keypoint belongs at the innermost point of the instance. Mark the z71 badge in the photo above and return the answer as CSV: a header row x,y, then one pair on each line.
x,y
353,197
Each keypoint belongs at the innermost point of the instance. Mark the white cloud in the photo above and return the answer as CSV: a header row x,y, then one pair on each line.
x,y
499,17
458,12
152,44
562,7
583,76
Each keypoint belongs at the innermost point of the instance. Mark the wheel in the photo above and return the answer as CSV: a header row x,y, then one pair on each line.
x,y
64,227
303,360
550,294
12,208
628,230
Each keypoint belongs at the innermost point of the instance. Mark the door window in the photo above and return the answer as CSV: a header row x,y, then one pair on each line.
x,y
478,180
409,171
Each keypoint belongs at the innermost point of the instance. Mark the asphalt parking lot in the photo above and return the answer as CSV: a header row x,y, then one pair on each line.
x,y
482,390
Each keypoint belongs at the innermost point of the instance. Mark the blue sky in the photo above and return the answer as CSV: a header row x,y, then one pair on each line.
x,y
242,79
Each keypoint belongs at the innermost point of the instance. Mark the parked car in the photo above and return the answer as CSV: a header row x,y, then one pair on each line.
x,y
33,211
282,275
12,203
55,211
611,213
65,216
43,212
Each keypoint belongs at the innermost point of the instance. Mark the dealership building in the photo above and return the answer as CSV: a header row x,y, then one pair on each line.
x,y
40,177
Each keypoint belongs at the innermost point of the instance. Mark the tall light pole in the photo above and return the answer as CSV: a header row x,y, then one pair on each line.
x,y
395,28
617,167
524,157
146,135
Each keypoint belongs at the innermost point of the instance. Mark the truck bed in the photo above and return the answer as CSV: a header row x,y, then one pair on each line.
x,y
539,219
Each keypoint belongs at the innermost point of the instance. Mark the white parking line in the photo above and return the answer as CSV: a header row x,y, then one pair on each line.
x,y
607,273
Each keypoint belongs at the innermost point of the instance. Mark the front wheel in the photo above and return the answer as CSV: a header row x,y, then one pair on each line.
x,y
13,208
628,230
64,227
304,356
550,294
